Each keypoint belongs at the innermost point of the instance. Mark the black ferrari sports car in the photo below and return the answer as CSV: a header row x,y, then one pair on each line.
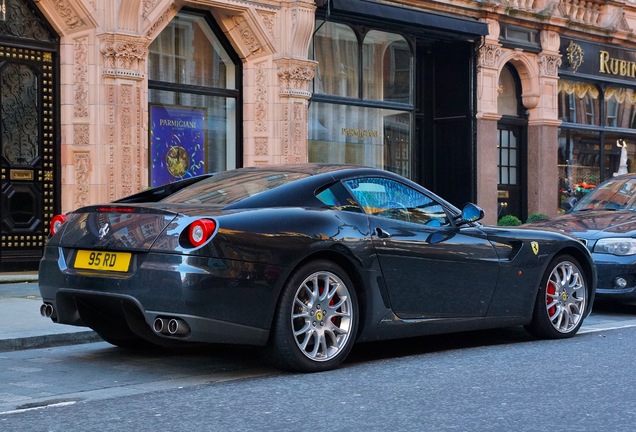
x,y
304,260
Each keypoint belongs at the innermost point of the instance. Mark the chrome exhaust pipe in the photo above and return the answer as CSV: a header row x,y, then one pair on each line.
x,y
46,310
159,326
178,327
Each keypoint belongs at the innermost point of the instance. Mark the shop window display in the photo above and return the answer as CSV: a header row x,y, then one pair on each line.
x,y
587,156
192,120
362,108
578,163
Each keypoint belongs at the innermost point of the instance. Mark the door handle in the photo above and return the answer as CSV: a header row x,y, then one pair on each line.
x,y
381,233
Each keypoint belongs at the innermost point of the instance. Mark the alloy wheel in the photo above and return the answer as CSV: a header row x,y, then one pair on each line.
x,y
565,297
322,316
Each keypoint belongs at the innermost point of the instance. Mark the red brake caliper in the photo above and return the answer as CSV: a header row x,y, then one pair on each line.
x,y
333,319
551,290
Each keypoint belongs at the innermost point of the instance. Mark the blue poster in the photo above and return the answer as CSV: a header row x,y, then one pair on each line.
x,y
177,144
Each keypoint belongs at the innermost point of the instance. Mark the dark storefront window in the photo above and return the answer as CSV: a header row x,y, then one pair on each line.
x,y
363,110
193,102
594,144
579,162
394,89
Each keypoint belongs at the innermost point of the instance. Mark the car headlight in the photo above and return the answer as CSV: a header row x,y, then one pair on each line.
x,y
616,246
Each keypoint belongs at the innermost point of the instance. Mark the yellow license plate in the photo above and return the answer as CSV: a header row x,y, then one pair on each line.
x,y
109,261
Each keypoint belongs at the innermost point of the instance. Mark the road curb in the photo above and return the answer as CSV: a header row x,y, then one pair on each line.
x,y
48,341
18,277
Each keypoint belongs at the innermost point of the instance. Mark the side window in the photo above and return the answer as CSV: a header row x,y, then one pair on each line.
x,y
395,200
335,196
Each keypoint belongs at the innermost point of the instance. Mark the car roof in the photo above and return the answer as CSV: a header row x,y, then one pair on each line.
x,y
315,169
299,192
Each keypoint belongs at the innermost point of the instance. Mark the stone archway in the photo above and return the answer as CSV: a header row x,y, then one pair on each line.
x,y
539,80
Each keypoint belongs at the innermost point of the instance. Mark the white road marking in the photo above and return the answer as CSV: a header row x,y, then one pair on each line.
x,y
53,405
606,326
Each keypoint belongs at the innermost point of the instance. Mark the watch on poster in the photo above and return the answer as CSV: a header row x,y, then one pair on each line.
x,y
177,144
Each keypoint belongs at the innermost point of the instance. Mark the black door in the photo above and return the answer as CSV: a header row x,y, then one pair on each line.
x,y
26,158
444,125
511,185
28,135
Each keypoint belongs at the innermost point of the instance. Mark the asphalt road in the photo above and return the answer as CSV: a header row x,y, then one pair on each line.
x,y
479,381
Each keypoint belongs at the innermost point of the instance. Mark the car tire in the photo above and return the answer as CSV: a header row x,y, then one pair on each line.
x,y
562,300
314,328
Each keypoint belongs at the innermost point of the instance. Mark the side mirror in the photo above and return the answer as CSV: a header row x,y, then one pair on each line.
x,y
471,213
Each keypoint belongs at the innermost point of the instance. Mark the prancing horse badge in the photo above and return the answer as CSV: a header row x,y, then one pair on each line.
x,y
104,230
535,247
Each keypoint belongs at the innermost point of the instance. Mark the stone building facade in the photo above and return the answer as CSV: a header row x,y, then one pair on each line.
x,y
104,48
491,70
528,36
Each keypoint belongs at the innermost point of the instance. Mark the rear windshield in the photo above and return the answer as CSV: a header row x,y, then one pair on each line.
x,y
232,186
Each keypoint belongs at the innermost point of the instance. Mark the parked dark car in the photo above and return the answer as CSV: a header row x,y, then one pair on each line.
x,y
605,220
304,260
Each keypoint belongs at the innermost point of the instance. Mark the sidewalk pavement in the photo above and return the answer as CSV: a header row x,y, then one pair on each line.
x,y
22,326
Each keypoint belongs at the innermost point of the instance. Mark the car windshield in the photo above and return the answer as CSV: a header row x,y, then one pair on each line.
x,y
232,186
614,194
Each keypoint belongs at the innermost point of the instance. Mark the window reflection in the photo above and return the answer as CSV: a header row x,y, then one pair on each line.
x,y
335,48
579,103
366,136
360,131
508,157
188,52
394,200
386,67
620,107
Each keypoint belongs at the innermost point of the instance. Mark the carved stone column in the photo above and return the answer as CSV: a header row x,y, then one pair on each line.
x,y
295,73
294,77
123,134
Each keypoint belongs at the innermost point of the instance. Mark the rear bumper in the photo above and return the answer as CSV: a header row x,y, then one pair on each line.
x,y
222,301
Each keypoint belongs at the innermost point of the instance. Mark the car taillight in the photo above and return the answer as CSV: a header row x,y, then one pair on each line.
x,y
56,223
200,231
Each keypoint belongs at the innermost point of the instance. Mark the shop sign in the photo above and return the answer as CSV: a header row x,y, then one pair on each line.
x,y
360,132
607,61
